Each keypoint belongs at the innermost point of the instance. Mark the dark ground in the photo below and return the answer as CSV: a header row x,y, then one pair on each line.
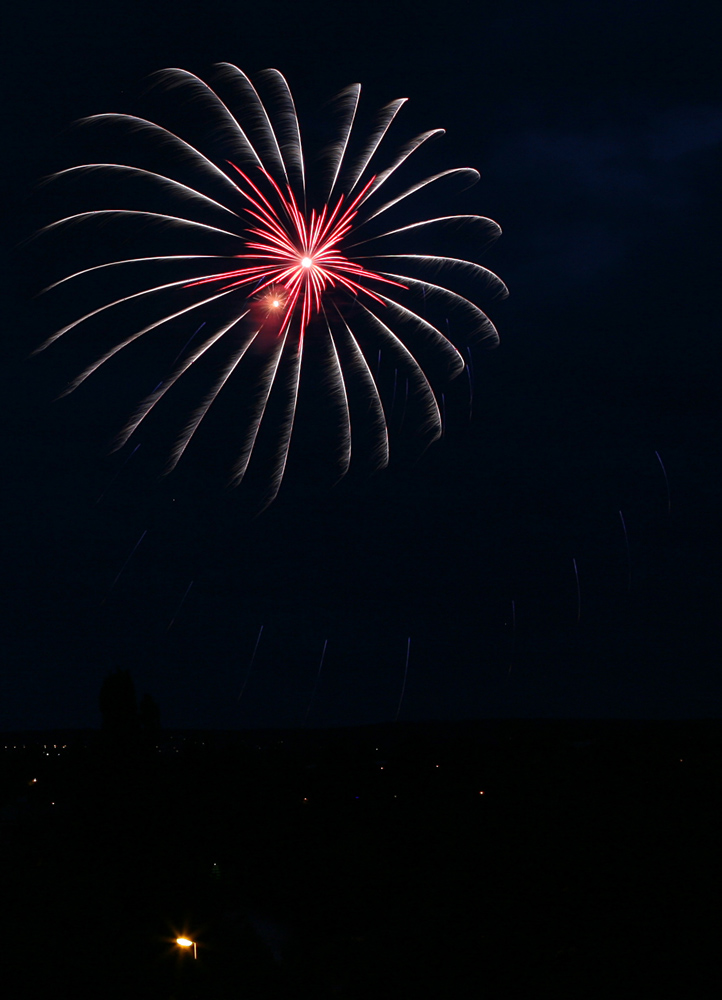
x,y
365,862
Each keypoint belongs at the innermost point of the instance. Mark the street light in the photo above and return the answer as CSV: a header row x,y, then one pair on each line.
x,y
187,943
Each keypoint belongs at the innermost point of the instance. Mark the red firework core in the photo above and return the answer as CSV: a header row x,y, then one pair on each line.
x,y
297,253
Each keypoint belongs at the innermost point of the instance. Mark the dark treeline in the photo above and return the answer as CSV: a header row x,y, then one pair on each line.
x,y
391,859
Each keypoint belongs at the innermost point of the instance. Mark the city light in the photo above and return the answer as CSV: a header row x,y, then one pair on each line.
x,y
187,943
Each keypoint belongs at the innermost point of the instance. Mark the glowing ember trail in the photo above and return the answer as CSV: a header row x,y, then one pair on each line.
x,y
276,272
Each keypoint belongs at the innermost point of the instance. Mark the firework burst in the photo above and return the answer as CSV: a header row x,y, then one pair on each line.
x,y
284,274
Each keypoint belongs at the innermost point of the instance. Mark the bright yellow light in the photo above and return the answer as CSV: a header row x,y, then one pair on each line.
x,y
306,262
276,303
185,942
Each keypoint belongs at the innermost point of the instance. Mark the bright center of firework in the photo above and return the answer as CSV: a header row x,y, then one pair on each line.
x,y
297,256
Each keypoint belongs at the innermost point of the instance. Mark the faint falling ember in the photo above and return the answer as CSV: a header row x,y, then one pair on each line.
x,y
132,553
318,677
666,482
117,473
579,593
177,610
250,664
188,343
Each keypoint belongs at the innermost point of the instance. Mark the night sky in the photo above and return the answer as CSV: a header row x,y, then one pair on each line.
x,y
592,455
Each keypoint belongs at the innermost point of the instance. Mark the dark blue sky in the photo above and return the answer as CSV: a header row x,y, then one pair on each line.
x,y
597,129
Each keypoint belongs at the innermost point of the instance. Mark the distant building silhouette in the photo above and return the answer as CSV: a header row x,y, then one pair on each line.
x,y
124,720
118,704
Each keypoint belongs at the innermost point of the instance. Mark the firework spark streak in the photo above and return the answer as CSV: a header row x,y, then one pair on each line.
x,y
666,482
629,553
250,665
315,686
295,258
123,567
579,592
